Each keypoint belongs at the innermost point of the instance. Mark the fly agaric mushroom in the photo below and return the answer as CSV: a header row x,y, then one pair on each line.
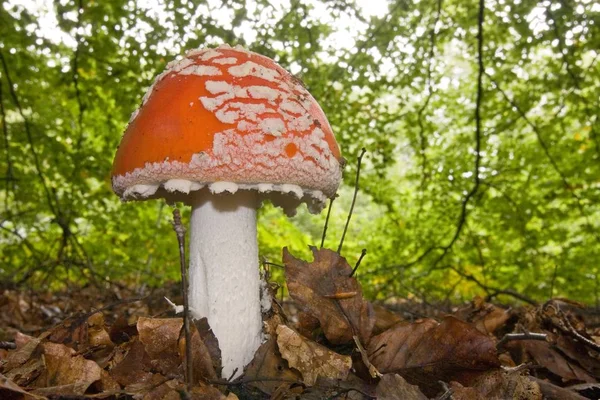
x,y
223,129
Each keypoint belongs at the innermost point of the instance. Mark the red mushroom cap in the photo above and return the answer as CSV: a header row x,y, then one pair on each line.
x,y
227,115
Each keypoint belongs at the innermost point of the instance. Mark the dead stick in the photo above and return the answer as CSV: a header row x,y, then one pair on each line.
x,y
180,231
327,220
509,337
7,345
362,153
363,253
365,358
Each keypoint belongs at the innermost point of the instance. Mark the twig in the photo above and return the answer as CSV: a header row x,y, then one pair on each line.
x,y
509,337
447,391
362,153
265,262
10,179
36,158
478,135
327,220
365,359
571,329
180,232
362,255
8,345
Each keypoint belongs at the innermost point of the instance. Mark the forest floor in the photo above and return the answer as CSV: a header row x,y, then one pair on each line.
x,y
112,344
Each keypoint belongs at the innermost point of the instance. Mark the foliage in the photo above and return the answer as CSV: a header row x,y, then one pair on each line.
x,y
416,86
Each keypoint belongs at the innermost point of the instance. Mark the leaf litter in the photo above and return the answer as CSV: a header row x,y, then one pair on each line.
x,y
328,341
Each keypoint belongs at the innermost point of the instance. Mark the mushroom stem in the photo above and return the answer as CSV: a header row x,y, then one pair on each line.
x,y
224,278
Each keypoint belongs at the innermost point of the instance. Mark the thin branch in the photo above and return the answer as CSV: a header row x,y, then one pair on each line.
x,y
362,153
327,220
429,85
478,135
10,178
334,74
363,253
491,291
7,346
510,337
180,232
549,156
36,159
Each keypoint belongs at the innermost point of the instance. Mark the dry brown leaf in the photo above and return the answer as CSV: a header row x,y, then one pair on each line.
x,y
97,334
203,365
10,390
427,351
486,317
384,319
210,341
555,362
22,354
499,385
160,337
551,391
310,358
460,392
268,370
395,387
120,331
67,370
72,332
325,289
135,366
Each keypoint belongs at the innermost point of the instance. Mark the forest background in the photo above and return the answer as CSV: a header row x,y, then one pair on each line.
x,y
482,171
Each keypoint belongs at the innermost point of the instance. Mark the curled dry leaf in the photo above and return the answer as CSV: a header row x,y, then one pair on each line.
x,y
427,351
484,316
210,341
499,384
134,368
66,372
310,358
10,390
160,338
395,387
203,367
384,319
545,355
97,334
268,371
325,290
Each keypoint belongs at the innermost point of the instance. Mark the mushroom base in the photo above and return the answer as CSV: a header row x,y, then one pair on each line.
x,y
224,282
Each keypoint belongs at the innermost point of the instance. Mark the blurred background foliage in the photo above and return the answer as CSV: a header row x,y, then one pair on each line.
x,y
482,172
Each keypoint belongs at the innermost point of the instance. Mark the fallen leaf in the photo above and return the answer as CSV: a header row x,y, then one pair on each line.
x,y
485,317
384,319
395,387
500,384
22,354
97,334
10,390
551,391
211,342
135,366
268,370
120,331
65,369
203,367
427,351
160,337
325,290
310,358
545,355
